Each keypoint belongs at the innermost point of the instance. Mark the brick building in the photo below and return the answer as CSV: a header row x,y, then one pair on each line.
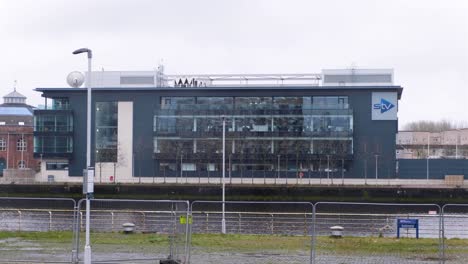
x,y
16,137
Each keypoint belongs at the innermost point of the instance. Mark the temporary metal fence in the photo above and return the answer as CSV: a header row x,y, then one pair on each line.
x,y
272,232
24,217
160,230
287,222
455,233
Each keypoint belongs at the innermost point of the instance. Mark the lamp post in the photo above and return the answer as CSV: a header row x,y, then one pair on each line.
x,y
90,171
223,221
427,160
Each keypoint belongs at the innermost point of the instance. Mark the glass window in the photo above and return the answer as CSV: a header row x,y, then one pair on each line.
x,y
252,103
253,146
2,144
177,102
330,102
56,165
21,164
215,103
60,103
213,124
21,144
53,144
290,102
253,124
173,146
168,167
106,131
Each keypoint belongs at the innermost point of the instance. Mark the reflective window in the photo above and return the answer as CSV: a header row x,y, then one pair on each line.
x,y
330,102
253,124
215,103
60,104
252,103
177,102
2,144
172,124
292,102
106,131
56,165
21,164
173,146
53,123
21,144
53,144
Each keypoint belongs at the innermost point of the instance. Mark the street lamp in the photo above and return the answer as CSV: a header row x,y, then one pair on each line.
x,y
90,171
223,221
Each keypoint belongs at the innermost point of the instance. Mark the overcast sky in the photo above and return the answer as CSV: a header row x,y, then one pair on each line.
x,y
425,42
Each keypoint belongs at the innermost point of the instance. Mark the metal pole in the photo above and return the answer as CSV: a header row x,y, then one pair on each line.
x,y
278,166
456,145
87,250
376,166
328,166
223,221
42,170
90,172
427,158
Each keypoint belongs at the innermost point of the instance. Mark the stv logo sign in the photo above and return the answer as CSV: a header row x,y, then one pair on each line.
x,y
384,106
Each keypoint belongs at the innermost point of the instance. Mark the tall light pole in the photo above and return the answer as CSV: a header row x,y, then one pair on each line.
x,y
376,166
223,221
90,171
427,160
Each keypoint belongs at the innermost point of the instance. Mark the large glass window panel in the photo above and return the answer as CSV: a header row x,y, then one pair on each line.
x,y
331,126
173,146
215,103
330,102
53,144
60,103
332,147
106,131
253,146
106,114
289,124
177,102
253,124
213,124
290,102
253,103
292,146
172,124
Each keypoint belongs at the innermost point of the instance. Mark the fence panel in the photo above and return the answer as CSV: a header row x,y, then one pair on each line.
x,y
369,233
455,222
36,230
160,231
256,232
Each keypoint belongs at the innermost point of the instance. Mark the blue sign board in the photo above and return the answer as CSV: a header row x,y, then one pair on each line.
x,y
407,223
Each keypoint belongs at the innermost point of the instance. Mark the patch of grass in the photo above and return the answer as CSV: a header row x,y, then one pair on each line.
x,y
255,243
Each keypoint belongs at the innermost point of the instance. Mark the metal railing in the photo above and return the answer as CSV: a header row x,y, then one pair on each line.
x,y
443,233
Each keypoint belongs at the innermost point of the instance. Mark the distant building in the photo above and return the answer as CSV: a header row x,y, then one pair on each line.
x,y
340,123
450,144
16,136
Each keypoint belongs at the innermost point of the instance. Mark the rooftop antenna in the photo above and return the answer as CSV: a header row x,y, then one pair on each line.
x,y
14,85
353,71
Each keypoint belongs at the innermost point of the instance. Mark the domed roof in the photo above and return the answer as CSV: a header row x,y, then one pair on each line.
x,y
14,94
14,98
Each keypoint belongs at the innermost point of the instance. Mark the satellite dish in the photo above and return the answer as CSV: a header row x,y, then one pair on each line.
x,y
75,79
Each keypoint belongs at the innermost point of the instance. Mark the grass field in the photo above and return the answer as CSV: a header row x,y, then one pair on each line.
x,y
251,243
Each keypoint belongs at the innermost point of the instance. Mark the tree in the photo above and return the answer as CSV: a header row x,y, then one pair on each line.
x,y
434,126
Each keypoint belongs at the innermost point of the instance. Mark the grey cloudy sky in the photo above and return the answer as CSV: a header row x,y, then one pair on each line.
x,y
425,42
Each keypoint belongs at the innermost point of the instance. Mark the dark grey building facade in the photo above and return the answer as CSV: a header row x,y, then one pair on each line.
x,y
333,130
